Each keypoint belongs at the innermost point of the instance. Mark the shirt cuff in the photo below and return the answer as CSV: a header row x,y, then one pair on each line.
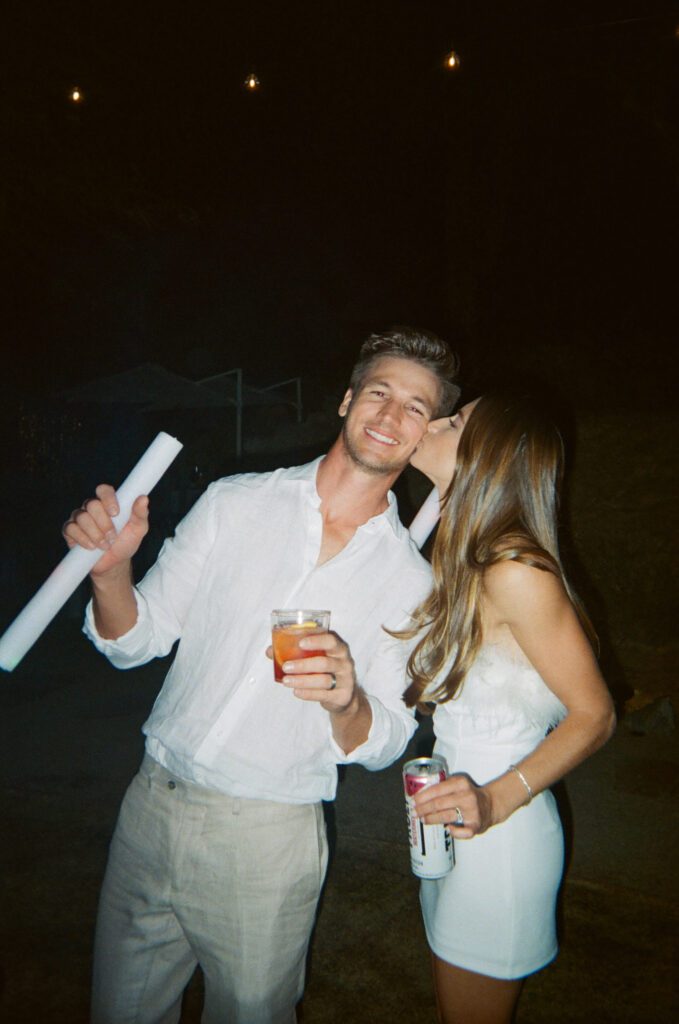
x,y
388,737
127,650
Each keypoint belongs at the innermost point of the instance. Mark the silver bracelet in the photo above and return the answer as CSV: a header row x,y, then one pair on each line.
x,y
513,768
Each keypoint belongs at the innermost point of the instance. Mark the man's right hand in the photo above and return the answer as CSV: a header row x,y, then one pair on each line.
x,y
91,527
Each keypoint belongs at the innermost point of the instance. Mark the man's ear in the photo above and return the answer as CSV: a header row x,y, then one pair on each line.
x,y
346,402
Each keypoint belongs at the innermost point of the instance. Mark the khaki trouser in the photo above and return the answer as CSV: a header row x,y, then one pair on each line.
x,y
197,877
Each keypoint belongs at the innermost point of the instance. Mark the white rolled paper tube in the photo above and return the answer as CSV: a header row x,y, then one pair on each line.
x,y
74,567
426,519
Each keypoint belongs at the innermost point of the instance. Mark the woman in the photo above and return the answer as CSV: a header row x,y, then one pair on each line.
x,y
505,659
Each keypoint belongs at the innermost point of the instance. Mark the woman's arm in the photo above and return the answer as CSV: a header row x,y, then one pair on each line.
x,y
534,605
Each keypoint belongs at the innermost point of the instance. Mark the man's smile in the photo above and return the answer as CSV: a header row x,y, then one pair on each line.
x,y
382,438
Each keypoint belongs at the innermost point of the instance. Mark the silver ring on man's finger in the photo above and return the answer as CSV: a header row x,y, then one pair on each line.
x,y
459,820
333,684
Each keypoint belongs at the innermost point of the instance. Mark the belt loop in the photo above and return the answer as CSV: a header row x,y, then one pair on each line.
x,y
145,770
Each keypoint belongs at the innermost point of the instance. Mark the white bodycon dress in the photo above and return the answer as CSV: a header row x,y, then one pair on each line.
x,y
495,912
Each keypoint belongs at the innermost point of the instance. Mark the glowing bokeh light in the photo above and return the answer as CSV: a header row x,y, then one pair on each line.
x,y
75,96
452,61
251,82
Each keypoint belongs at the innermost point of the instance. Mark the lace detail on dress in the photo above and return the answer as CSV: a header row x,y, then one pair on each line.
x,y
502,687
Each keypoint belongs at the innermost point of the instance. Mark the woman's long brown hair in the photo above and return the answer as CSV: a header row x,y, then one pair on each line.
x,y
501,504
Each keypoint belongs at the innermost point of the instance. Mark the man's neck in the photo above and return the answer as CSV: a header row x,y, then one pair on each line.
x,y
350,494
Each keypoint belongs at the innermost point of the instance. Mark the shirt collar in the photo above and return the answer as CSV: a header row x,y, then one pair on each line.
x,y
389,517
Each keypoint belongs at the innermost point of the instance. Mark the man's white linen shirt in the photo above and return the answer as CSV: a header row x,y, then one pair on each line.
x,y
251,544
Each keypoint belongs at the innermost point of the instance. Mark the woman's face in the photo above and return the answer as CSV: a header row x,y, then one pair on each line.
x,y
436,455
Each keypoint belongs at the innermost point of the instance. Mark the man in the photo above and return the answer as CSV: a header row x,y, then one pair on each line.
x,y
219,854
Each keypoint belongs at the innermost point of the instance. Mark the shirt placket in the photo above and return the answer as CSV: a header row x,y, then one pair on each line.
x,y
313,530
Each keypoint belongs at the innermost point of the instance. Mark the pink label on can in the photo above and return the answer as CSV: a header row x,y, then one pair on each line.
x,y
415,783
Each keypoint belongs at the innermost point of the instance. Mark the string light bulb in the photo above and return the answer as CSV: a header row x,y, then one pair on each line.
x,y
452,61
251,83
75,95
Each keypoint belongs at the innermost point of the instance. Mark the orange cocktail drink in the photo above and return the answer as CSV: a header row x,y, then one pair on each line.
x,y
288,626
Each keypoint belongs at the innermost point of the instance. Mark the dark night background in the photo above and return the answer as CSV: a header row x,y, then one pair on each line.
x,y
524,207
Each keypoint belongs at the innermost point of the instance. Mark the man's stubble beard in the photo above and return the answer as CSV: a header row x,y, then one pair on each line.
x,y
373,468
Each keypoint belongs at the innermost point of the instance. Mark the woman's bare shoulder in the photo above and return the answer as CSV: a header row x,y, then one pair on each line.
x,y
511,586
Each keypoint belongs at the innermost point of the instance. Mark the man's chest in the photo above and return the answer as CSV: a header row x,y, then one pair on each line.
x,y
334,540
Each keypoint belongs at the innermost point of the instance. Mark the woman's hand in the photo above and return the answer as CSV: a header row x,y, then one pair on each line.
x,y
457,802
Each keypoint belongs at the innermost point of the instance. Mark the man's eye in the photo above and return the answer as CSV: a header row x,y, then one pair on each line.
x,y
416,410
380,394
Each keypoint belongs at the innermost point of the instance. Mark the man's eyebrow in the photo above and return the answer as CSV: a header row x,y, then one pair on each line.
x,y
378,382
423,401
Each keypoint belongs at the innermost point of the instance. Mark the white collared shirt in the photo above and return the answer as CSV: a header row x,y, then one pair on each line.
x,y
251,544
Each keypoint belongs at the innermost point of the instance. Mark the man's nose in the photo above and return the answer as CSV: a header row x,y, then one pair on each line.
x,y
392,410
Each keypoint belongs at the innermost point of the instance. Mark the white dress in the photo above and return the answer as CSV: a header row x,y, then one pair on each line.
x,y
495,912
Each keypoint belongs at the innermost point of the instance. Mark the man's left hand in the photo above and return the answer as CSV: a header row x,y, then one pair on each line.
x,y
329,678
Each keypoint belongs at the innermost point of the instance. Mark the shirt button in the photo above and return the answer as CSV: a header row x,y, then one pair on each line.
x,y
172,784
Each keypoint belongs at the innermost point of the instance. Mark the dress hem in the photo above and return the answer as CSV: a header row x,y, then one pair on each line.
x,y
482,967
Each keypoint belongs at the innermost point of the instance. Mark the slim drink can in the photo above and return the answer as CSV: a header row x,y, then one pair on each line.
x,y
431,846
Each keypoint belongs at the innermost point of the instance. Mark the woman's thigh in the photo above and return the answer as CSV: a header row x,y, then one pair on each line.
x,y
464,997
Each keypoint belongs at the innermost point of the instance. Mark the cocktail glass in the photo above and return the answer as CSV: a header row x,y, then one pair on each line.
x,y
288,626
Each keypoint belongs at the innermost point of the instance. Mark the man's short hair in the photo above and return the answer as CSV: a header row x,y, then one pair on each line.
x,y
420,347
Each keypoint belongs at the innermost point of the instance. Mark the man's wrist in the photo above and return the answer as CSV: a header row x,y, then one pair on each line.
x,y
113,579
351,725
354,707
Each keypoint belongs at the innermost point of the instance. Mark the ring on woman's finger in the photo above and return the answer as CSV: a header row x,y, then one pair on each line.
x,y
459,820
333,684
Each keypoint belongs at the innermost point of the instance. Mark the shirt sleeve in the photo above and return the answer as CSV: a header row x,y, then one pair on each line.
x,y
393,723
165,594
130,649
